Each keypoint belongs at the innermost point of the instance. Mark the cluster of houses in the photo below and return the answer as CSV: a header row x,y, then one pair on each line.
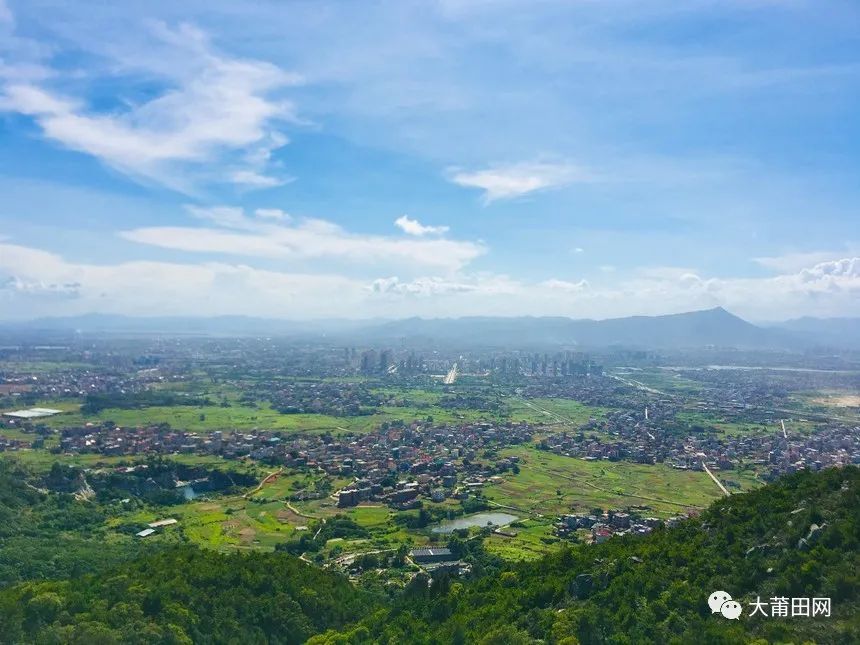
x,y
654,440
73,382
602,527
435,486
436,457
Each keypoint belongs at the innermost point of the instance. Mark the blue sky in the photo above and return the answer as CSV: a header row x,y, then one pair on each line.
x,y
448,158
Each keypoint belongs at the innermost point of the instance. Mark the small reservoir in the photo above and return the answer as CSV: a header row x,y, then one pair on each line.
x,y
478,519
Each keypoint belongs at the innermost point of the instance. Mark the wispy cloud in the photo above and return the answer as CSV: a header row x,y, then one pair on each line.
x,y
254,179
414,227
214,104
431,286
510,181
798,260
565,285
47,284
273,214
270,236
42,283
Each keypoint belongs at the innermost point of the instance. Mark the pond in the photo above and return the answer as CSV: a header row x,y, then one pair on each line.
x,y
479,519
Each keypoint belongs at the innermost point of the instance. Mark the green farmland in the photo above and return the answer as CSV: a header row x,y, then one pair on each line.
x,y
549,484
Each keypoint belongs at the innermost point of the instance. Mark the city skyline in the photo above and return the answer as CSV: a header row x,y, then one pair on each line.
x,y
444,159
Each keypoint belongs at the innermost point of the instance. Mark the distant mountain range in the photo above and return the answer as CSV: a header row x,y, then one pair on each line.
x,y
838,332
712,327
694,329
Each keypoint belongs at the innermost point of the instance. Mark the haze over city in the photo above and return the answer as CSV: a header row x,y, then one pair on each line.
x,y
447,159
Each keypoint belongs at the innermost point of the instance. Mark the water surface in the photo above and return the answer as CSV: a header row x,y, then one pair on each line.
x,y
479,519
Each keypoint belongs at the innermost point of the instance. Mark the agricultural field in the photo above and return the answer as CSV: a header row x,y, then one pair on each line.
x,y
209,418
661,379
549,485
837,404
553,411
799,418
532,540
722,425
213,417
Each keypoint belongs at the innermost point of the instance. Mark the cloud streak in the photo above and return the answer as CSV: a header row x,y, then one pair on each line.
x,y
268,236
414,227
214,105
35,282
516,180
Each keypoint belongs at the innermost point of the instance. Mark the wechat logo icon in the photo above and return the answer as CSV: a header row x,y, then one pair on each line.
x,y
721,602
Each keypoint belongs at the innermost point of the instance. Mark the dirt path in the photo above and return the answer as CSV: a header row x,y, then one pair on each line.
x,y
716,481
263,482
298,512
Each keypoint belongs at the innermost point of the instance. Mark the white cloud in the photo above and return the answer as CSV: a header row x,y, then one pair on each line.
x,y
564,285
307,239
414,227
796,261
40,283
664,272
272,214
210,105
226,216
848,268
507,182
420,286
254,179
40,288
36,283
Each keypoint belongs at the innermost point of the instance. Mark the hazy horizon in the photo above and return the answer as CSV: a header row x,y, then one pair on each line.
x,y
385,319
448,159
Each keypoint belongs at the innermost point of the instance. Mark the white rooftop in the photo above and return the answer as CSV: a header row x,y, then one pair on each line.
x,y
32,413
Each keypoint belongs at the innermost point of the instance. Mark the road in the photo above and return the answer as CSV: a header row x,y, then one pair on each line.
x,y
263,482
451,376
638,385
298,512
716,481
552,415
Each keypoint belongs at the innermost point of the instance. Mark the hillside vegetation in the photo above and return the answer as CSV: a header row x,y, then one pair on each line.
x,y
185,595
651,589
48,535
654,589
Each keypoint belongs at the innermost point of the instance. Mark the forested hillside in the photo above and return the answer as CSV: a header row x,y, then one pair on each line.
x,y
654,589
48,535
185,595
650,589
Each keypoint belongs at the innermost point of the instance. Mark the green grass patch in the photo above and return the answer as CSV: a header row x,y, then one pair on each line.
x,y
550,485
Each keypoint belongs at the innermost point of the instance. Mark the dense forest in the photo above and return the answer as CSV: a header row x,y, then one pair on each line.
x,y
799,537
50,535
184,595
